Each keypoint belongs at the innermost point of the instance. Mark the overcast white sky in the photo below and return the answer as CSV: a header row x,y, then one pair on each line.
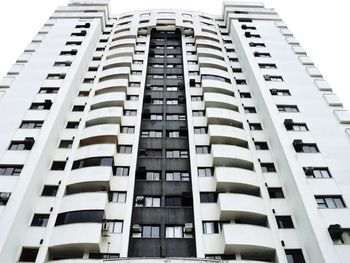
x,y
322,28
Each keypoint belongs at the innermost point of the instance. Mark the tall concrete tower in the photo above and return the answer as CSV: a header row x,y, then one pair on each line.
x,y
171,136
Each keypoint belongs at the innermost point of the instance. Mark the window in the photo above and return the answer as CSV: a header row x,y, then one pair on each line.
x,y
127,129
72,125
40,220
152,176
208,197
214,77
280,92
176,154
48,90
329,201
21,145
317,172
177,201
82,216
41,105
220,256
56,76
176,232
66,144
249,110
202,149
273,78
78,108
151,134
171,88
73,43
292,126
275,192
117,197
104,255
148,231
58,165
69,52
284,222
241,81
150,153
156,117
83,93
254,44
212,227
114,226
294,256
124,148
196,98
4,197
50,190
157,101
261,146
267,65
172,102
198,113
173,134
177,176
301,147
175,117
255,126
31,124
62,63
28,254
200,130
94,161
130,112
8,170
245,95
147,201
267,167
121,171
205,171
262,55
287,108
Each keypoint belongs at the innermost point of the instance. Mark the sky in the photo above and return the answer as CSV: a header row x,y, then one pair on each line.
x,y
322,28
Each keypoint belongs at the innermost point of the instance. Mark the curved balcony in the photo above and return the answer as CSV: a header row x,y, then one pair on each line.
x,y
95,150
112,99
85,236
100,134
209,53
111,115
117,62
203,41
212,63
114,73
84,201
231,179
232,156
123,35
223,134
208,36
217,86
248,239
223,117
113,85
89,179
214,71
116,43
217,100
120,52
242,207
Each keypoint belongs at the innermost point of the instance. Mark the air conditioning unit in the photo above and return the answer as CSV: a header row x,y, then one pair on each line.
x,y
105,231
335,231
188,228
139,199
298,145
5,196
288,123
136,228
309,170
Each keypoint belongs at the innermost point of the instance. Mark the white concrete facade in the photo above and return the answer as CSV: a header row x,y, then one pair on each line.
x,y
278,139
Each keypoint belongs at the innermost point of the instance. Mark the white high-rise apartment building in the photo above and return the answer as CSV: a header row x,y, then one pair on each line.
x,y
171,136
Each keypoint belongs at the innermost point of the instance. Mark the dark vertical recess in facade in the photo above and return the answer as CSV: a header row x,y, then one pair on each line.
x,y
162,214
